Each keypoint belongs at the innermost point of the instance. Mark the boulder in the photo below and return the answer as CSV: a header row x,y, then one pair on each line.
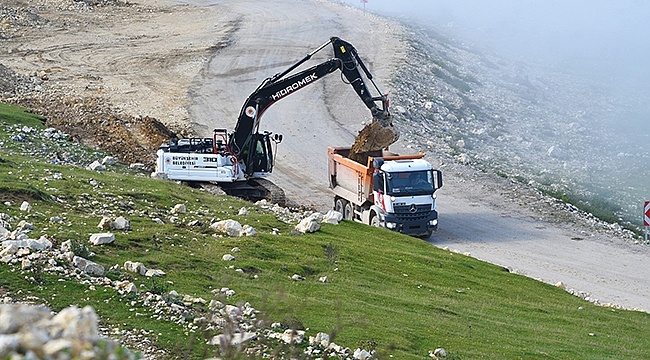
x,y
333,217
223,340
126,287
88,266
229,227
109,160
121,223
361,354
228,257
75,323
291,336
310,224
102,238
135,267
154,272
248,230
96,166
179,209
105,223
25,206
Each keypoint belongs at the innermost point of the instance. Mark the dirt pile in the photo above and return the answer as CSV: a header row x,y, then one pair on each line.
x,y
377,135
92,122
70,85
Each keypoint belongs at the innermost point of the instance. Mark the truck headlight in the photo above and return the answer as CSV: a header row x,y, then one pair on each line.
x,y
391,225
433,222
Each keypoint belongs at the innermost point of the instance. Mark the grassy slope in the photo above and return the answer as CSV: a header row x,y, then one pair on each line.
x,y
397,292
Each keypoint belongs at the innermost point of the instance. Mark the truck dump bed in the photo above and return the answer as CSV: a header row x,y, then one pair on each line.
x,y
352,180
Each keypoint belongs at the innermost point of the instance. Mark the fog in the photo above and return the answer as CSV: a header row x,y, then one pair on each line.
x,y
604,38
605,43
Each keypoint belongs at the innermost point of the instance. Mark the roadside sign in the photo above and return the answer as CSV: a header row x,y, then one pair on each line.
x,y
646,213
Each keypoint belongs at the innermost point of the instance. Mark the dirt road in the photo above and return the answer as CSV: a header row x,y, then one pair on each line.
x,y
197,61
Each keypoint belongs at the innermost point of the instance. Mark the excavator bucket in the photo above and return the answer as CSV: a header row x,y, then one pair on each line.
x,y
377,135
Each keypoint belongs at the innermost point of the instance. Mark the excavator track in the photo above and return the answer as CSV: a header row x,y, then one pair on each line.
x,y
255,190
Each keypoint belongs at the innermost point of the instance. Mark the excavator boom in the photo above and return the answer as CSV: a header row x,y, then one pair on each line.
x,y
246,141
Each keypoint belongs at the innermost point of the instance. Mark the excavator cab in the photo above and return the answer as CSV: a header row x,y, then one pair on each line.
x,y
261,161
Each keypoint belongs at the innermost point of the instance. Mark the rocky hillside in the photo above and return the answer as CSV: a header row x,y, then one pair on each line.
x,y
522,121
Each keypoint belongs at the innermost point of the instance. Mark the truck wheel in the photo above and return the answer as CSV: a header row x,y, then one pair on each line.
x,y
339,205
374,221
347,211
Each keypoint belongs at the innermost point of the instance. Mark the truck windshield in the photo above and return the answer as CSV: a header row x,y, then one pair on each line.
x,y
410,183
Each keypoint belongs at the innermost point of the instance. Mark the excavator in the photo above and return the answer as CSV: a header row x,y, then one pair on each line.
x,y
239,162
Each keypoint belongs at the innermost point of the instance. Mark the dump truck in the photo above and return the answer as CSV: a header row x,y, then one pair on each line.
x,y
396,192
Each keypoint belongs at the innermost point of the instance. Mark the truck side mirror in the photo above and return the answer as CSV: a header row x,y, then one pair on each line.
x,y
437,179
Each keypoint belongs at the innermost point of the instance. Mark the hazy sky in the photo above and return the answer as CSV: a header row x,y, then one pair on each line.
x,y
597,36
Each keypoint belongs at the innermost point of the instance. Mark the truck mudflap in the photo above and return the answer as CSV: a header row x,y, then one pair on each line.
x,y
419,224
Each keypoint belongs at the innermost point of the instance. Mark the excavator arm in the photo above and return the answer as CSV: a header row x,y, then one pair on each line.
x,y
253,148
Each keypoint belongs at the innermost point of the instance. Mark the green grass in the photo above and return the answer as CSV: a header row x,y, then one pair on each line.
x,y
14,115
387,290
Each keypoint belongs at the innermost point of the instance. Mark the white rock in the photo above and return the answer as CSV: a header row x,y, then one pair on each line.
x,y
235,249
105,223
154,272
361,354
236,339
138,166
102,238
440,352
333,217
66,246
9,344
229,227
24,226
228,257
9,248
215,305
179,209
88,266
121,223
248,230
158,221
42,243
321,339
291,336
96,166
323,279
26,264
310,224
109,160
243,211
56,346
73,322
296,277
135,267
25,206
126,287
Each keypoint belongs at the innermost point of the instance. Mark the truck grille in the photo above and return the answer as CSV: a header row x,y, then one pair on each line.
x,y
412,212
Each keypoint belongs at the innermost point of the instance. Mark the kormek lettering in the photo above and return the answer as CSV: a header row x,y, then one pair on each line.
x,y
293,87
